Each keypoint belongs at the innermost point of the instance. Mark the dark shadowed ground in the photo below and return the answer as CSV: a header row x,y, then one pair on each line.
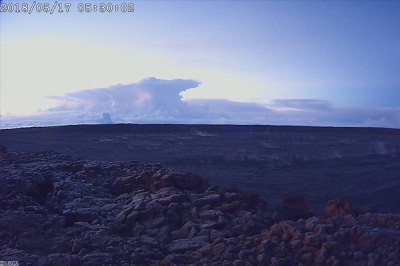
x,y
361,165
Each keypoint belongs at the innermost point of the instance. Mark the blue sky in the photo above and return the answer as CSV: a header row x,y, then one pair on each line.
x,y
328,63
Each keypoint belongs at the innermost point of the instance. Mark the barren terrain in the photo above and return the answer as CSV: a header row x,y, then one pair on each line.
x,y
360,165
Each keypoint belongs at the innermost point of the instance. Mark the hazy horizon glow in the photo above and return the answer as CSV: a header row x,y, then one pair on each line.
x,y
260,62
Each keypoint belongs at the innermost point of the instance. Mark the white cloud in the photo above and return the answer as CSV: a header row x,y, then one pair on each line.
x,y
152,99
155,100
300,105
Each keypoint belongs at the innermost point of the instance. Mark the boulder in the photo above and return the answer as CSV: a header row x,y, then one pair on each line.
x,y
183,245
336,207
367,242
97,258
59,259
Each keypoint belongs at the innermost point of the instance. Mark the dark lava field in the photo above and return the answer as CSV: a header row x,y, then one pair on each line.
x,y
360,165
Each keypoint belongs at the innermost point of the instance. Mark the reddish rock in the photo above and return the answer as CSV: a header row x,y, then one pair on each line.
x,y
321,256
311,239
311,223
275,230
336,207
289,228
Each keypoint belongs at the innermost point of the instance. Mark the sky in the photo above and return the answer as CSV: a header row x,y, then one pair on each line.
x,y
314,63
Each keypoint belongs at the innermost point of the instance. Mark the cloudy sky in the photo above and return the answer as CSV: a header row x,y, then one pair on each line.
x,y
322,63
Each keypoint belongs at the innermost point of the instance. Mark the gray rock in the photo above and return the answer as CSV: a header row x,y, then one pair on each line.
x,y
203,238
244,254
389,233
217,250
131,219
307,257
210,199
182,233
280,261
228,207
32,242
330,245
238,263
367,242
59,259
183,245
151,241
232,196
154,222
358,255
209,214
97,258
266,245
12,254
263,259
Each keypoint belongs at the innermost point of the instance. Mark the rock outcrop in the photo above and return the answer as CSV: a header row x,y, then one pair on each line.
x,y
60,210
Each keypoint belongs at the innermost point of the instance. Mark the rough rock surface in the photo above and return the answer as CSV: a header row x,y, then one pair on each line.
x,y
60,210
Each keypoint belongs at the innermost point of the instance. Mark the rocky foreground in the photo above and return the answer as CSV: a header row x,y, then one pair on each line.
x,y
56,210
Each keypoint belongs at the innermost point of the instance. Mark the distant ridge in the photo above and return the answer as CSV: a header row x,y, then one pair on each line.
x,y
212,128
